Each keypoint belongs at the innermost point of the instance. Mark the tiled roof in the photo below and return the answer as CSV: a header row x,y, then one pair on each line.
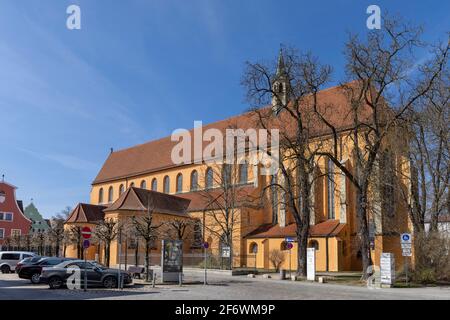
x,y
136,199
156,155
84,212
329,228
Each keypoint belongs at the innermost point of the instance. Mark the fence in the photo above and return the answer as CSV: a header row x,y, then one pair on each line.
x,y
193,260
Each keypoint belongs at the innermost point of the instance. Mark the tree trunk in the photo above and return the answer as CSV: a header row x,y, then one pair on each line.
x,y
361,214
108,253
147,261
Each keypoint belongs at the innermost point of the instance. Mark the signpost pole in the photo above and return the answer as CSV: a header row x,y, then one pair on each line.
x,y
290,267
205,247
120,252
85,270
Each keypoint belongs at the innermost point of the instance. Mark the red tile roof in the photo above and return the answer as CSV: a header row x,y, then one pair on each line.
x,y
84,212
329,228
136,199
156,155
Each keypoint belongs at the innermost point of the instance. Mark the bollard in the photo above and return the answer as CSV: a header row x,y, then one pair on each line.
x,y
180,279
153,280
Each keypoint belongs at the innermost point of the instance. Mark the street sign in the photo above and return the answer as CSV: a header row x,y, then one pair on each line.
x,y
226,251
406,252
289,245
405,238
387,269
205,245
86,244
289,239
86,232
406,245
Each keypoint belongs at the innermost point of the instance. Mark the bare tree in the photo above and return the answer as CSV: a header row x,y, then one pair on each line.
x,y
56,233
148,231
292,90
179,228
386,87
75,237
107,231
222,214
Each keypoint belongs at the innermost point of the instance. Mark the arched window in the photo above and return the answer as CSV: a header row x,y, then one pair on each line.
x,y
313,244
209,178
100,195
243,173
110,194
143,184
179,183
253,248
274,196
121,189
154,184
194,180
226,174
284,246
330,187
132,185
166,182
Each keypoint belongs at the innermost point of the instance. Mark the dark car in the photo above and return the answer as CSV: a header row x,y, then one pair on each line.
x,y
27,261
97,275
33,271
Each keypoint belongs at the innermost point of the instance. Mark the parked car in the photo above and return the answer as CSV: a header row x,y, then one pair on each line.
x,y
33,271
9,259
27,261
97,274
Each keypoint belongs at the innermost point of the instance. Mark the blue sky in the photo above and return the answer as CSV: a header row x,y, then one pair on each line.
x,y
138,69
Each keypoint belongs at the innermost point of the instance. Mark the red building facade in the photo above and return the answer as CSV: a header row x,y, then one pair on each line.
x,y
12,219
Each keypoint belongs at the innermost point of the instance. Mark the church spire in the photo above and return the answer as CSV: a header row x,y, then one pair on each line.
x,y
280,85
280,66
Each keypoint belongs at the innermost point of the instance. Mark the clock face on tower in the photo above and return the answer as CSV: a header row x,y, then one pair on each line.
x,y
2,196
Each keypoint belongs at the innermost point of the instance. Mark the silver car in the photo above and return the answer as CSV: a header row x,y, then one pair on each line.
x,y
9,259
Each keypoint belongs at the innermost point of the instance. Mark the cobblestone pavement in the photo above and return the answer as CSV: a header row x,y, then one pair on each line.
x,y
219,287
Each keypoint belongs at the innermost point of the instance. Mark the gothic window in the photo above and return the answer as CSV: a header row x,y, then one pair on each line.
x,y
143,184
330,189
243,173
166,183
110,194
121,189
226,174
209,178
154,184
274,198
179,183
100,195
194,180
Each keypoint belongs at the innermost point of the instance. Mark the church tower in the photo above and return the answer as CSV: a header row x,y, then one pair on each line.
x,y
280,86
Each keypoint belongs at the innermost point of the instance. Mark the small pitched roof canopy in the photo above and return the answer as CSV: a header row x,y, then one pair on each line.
x,y
84,212
328,228
136,199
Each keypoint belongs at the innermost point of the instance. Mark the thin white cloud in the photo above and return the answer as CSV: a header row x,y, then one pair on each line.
x,y
67,161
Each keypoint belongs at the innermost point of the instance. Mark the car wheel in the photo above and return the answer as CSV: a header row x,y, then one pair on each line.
x,y
35,278
55,283
110,282
5,269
